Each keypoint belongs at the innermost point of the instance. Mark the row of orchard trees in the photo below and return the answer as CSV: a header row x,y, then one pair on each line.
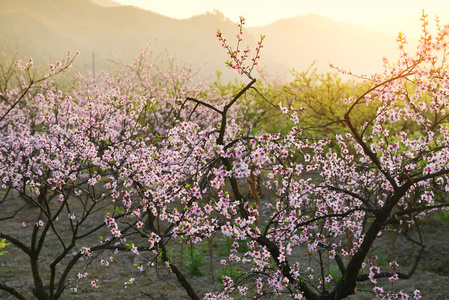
x,y
167,159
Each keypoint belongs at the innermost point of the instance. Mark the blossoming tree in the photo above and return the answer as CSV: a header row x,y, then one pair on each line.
x,y
383,174
169,161
61,154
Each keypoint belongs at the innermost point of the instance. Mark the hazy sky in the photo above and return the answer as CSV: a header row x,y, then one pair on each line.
x,y
263,12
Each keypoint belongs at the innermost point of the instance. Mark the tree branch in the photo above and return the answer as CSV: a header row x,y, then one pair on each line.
x,y
11,290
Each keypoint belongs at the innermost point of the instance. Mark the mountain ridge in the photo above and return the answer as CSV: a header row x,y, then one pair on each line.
x,y
48,28
106,3
341,44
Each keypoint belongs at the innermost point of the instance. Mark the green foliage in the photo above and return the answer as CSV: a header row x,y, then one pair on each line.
x,y
227,271
335,272
223,247
243,246
442,215
226,89
381,260
159,258
3,244
73,293
7,270
322,96
193,260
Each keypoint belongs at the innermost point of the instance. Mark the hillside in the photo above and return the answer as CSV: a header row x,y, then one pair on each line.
x,y
46,29
106,3
301,40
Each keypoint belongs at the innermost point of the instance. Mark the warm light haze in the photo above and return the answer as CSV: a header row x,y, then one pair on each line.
x,y
371,14
353,35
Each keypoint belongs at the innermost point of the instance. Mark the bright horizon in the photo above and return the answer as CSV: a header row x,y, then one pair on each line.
x,y
263,12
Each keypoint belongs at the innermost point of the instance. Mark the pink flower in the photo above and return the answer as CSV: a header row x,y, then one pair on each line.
x,y
94,283
281,257
134,250
393,278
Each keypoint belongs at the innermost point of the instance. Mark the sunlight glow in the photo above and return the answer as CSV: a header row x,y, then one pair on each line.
x,y
264,12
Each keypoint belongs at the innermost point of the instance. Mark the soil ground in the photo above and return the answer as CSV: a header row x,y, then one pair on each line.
x,y
431,277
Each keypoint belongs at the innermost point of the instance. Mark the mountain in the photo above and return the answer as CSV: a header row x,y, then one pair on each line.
x,y
106,3
299,41
46,29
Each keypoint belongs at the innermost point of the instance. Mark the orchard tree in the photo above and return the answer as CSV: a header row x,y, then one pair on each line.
x,y
49,158
334,202
62,154
170,161
377,176
318,92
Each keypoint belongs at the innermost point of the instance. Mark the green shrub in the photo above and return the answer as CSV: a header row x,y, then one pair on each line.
x,y
227,271
193,261
3,244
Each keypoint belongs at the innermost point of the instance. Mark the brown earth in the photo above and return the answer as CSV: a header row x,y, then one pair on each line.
x,y
431,277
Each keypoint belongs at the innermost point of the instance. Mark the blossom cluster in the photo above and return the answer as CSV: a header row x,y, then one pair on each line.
x,y
169,161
